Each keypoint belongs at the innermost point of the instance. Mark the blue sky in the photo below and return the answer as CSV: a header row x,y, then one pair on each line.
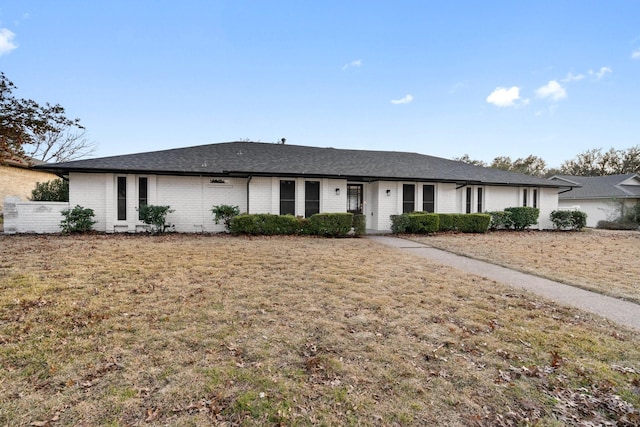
x,y
493,78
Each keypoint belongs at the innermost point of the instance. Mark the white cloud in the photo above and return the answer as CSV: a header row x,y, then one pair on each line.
x,y
552,90
357,64
505,97
407,99
572,78
601,72
635,54
6,41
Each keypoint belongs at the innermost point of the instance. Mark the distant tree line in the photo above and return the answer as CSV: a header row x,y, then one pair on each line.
x,y
594,162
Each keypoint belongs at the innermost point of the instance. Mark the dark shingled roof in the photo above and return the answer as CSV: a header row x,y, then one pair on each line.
x,y
601,187
265,159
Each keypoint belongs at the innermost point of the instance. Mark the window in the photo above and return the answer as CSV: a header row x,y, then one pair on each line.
x,y
287,197
122,198
535,197
142,194
468,201
408,198
428,198
479,201
311,198
525,194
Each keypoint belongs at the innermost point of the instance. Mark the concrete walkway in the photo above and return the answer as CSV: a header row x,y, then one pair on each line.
x,y
623,312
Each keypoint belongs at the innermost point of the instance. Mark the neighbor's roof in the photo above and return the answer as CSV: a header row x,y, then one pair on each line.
x,y
601,187
265,159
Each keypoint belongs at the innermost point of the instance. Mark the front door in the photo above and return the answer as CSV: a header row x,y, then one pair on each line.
x,y
354,199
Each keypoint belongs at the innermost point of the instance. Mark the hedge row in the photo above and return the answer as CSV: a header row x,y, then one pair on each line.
x,y
421,222
322,224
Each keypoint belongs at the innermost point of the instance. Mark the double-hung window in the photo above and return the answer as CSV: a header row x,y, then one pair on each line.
x,y
428,198
311,198
287,197
408,198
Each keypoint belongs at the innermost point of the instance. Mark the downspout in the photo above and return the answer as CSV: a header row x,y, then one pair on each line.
x,y
462,185
248,182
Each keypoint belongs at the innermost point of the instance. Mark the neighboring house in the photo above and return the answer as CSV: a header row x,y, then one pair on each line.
x,y
18,178
291,179
600,197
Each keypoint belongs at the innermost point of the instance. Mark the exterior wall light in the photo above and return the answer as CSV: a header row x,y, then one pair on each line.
x,y
337,191
388,193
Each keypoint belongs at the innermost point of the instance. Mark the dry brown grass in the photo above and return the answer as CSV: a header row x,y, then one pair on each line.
x,y
599,260
201,330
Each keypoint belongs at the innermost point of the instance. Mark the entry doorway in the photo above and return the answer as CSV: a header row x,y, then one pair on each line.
x,y
354,198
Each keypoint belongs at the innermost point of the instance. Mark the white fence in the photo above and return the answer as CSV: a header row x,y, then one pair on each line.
x,y
32,217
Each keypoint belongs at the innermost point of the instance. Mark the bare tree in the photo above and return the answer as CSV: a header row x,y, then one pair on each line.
x,y
60,145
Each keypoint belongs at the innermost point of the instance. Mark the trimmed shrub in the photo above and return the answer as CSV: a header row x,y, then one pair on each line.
x,y
331,224
446,222
264,224
56,190
500,220
359,225
155,216
473,223
523,217
77,220
399,223
415,222
568,220
617,225
422,222
464,223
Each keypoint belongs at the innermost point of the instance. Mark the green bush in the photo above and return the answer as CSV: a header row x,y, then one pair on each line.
x,y
500,220
617,225
331,224
568,220
77,220
447,222
359,225
415,222
399,223
265,224
464,223
473,223
422,222
322,224
56,190
155,216
225,213
523,217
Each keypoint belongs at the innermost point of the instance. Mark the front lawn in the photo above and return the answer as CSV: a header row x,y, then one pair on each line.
x,y
199,330
599,260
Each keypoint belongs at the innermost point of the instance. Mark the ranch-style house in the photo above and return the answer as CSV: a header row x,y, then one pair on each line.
x,y
291,179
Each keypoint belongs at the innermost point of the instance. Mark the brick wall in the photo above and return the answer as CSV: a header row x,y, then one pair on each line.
x,y
32,217
17,181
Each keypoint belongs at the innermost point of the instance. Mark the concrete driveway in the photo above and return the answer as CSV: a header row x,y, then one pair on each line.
x,y
622,312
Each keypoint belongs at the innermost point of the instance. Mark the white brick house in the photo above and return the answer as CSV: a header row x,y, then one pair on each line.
x,y
600,197
279,179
